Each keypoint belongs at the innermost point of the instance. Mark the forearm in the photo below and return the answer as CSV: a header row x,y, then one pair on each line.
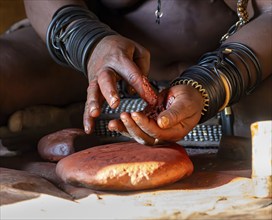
x,y
257,36
234,69
40,12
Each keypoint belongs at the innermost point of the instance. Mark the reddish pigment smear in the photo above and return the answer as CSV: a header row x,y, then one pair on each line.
x,y
149,95
164,101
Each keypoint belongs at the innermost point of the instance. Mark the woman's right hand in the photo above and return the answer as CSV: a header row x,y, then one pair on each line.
x,y
114,58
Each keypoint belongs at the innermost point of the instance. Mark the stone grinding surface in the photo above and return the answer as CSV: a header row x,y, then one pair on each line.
x,y
125,166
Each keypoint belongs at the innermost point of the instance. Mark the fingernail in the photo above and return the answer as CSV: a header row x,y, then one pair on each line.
x,y
163,121
113,100
135,118
124,120
92,109
113,129
87,129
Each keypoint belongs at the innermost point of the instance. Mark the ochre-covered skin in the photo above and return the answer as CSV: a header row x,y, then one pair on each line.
x,y
58,145
125,166
164,101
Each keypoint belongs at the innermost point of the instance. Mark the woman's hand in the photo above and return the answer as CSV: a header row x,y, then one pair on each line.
x,y
113,58
183,106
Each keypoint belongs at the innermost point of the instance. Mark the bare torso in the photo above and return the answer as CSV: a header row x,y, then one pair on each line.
x,y
188,28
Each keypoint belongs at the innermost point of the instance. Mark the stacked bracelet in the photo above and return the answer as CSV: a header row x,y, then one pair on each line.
x,y
225,75
235,62
72,34
212,84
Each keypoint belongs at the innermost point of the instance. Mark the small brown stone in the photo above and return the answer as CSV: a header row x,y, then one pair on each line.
x,y
58,145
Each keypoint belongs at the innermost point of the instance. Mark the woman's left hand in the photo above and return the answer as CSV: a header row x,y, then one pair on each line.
x,y
183,105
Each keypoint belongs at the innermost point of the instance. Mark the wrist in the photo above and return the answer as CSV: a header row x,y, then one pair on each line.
x,y
197,87
72,34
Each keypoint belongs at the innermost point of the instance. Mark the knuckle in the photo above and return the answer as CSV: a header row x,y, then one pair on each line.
x,y
132,78
92,84
174,115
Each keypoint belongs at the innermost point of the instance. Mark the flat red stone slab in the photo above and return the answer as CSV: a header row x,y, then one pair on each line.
x,y
125,166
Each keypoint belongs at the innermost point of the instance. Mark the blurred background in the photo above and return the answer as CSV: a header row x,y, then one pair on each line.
x,y
11,11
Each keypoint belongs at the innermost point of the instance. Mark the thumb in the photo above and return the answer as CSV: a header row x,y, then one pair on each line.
x,y
169,117
179,110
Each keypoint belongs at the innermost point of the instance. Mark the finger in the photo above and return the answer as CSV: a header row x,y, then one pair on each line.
x,y
94,97
118,126
88,121
134,131
150,127
132,74
170,117
142,58
145,123
107,83
92,106
182,108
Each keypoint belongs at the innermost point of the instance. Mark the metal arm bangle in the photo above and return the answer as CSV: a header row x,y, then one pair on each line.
x,y
227,91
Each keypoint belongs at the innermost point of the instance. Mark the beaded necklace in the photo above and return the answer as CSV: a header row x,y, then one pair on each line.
x,y
241,12
243,19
